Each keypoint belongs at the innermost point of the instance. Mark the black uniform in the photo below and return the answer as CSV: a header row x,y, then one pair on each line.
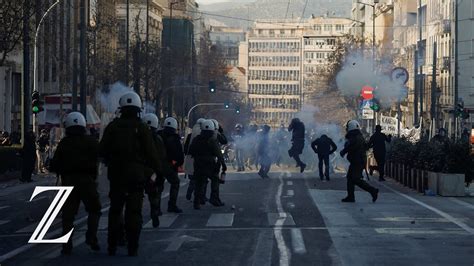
x,y
220,139
298,129
151,188
263,150
207,160
323,146
75,160
126,146
175,155
238,138
355,148
377,142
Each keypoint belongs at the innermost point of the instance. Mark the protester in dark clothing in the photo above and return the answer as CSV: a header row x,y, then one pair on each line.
x,y
377,143
28,155
356,149
298,130
42,146
323,146
263,150
207,158
441,139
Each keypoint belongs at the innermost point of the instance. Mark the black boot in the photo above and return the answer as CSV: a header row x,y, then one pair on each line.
x,y
93,244
375,195
174,208
347,199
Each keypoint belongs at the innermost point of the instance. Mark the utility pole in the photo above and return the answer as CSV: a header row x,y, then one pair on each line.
x,y
127,41
26,70
147,38
416,89
170,30
82,59
136,59
456,65
421,52
434,87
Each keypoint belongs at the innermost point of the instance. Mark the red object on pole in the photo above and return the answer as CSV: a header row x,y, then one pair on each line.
x,y
367,93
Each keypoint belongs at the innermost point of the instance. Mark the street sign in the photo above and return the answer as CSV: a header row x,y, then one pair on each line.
x,y
367,93
389,125
367,114
400,75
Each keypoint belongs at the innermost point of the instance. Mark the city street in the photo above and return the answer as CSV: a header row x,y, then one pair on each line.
x,y
289,219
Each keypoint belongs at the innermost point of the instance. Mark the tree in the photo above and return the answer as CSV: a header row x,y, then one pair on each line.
x,y
11,19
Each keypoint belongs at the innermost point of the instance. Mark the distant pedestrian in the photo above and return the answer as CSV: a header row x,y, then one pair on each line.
x,y
298,137
28,155
356,149
323,147
377,143
263,149
42,146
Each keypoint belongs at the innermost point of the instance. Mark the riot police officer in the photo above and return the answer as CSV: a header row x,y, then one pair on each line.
x,y
151,188
175,156
75,160
207,159
127,146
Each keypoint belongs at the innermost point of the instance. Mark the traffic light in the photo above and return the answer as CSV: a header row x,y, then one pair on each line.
x,y
460,111
237,109
226,105
375,105
212,87
36,103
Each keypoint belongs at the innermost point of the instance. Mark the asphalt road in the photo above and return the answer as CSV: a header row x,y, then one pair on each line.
x,y
289,219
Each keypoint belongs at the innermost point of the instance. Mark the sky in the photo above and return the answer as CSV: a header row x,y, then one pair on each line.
x,y
205,2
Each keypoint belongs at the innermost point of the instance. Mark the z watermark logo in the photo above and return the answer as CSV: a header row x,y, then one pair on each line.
x,y
50,215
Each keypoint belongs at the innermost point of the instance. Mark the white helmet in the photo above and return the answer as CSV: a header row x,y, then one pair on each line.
x,y
75,119
130,99
352,125
200,121
171,122
151,120
208,125
216,124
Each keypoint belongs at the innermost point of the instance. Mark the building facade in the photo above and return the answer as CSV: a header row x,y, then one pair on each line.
x,y
227,40
465,41
282,59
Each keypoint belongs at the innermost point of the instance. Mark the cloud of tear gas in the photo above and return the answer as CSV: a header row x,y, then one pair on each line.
x,y
357,73
109,98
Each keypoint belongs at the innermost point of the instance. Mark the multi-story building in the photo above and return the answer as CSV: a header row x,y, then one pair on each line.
x,y
319,41
465,40
274,70
282,59
137,24
227,39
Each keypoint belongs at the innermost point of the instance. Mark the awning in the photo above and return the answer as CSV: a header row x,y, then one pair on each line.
x,y
52,115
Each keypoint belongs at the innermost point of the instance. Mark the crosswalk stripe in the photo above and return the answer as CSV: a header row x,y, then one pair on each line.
x,y
220,220
166,220
2,222
290,193
284,218
289,183
4,207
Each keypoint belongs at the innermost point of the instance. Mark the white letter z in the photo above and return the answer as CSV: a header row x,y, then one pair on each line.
x,y
50,215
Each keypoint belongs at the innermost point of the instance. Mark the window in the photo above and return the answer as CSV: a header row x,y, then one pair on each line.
x,y
272,33
282,32
327,27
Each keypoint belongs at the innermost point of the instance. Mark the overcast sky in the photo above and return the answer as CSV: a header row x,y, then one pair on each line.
x,y
212,1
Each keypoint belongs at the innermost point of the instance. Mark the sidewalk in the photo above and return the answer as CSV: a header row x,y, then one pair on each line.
x,y
11,186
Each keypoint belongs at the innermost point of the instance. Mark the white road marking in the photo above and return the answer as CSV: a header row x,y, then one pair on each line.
x,y
220,220
280,219
289,183
416,231
4,207
285,255
416,219
290,205
2,222
463,203
290,193
177,242
441,213
297,241
166,220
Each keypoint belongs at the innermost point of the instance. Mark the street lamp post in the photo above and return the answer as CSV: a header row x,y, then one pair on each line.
x,y
35,51
373,26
